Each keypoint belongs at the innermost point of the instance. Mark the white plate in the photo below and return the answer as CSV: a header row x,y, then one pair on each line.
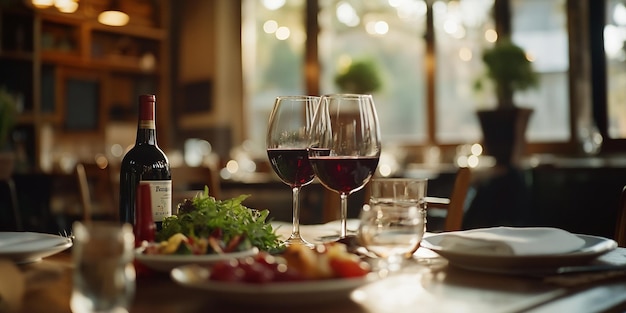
x,y
166,262
593,247
26,247
283,293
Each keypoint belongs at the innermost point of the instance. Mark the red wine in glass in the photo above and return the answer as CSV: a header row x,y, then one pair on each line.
x,y
344,145
292,166
344,174
287,144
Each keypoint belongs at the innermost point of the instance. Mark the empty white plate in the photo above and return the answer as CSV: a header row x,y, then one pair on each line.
x,y
26,247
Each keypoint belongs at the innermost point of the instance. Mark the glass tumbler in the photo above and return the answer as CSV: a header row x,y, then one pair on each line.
x,y
104,275
392,225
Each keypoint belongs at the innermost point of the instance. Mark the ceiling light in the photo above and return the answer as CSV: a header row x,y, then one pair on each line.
x,y
66,6
113,16
42,4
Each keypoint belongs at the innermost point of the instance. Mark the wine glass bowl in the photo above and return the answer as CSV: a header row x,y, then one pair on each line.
x,y
287,143
345,145
393,224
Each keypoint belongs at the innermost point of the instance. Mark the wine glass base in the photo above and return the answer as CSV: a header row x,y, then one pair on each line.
x,y
297,240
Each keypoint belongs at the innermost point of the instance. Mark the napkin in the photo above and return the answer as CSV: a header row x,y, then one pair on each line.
x,y
512,241
11,286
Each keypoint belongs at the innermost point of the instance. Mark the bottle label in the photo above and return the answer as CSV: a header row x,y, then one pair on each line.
x,y
161,198
147,124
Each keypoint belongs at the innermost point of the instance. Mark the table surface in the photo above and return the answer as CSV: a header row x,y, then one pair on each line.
x,y
429,284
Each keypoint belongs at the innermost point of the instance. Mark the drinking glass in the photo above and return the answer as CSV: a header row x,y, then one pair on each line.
x,y
287,142
345,145
104,275
392,225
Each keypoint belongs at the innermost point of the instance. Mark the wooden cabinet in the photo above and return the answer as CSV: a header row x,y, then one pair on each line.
x,y
76,77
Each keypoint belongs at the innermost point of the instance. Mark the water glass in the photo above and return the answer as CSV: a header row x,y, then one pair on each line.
x,y
104,275
392,225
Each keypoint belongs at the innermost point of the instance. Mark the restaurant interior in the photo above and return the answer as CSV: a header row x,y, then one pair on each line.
x,y
216,66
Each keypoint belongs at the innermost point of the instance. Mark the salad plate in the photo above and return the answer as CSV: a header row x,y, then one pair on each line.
x,y
166,262
278,293
592,248
27,247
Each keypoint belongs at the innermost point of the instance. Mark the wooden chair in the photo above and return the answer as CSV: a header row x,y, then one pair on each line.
x,y
620,226
96,190
454,205
85,194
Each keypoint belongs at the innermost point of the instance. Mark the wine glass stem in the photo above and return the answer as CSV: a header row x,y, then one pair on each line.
x,y
295,230
343,215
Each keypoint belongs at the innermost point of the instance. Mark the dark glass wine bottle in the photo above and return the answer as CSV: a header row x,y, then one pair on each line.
x,y
147,163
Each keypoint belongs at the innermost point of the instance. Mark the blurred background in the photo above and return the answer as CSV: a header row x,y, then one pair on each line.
x,y
73,78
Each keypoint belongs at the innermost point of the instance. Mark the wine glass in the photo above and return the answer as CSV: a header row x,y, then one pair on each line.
x,y
393,224
345,145
287,142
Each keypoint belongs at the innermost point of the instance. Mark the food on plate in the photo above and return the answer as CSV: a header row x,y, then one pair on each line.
x,y
181,244
296,263
204,225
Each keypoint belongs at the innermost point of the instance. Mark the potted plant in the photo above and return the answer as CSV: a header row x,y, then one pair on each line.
x,y
8,117
504,128
360,77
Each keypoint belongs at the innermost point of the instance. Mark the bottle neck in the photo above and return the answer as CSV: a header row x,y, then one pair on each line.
x,y
146,127
146,136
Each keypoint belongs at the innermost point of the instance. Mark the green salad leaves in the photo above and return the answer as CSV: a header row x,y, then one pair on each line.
x,y
204,215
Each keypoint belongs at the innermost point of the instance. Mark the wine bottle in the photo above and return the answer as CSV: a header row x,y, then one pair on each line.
x,y
146,163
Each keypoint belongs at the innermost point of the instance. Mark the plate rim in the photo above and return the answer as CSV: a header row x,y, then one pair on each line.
x,y
192,257
269,289
602,245
166,262
525,264
35,254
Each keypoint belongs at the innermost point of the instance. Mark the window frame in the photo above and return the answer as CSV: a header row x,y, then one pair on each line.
x,y
585,23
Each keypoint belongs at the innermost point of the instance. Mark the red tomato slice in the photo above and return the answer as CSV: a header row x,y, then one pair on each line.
x,y
348,268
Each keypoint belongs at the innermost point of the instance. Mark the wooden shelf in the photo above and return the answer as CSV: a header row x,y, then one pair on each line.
x,y
68,19
131,65
62,58
17,55
69,66
124,64
92,25
131,30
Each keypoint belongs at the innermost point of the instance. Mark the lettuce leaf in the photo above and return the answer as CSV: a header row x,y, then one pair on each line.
x,y
230,217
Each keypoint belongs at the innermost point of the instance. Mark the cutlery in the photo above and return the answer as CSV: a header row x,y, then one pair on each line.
x,y
570,276
574,269
589,268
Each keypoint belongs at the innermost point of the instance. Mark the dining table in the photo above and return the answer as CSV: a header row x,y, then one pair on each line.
x,y
427,283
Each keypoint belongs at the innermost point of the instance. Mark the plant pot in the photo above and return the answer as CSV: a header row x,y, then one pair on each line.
x,y
504,133
7,163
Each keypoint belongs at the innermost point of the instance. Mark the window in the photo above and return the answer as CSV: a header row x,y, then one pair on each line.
x,y
614,40
540,27
462,30
390,37
427,53
273,43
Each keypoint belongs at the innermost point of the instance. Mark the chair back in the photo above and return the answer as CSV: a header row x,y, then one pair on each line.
x,y
620,226
97,191
85,194
455,204
454,219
